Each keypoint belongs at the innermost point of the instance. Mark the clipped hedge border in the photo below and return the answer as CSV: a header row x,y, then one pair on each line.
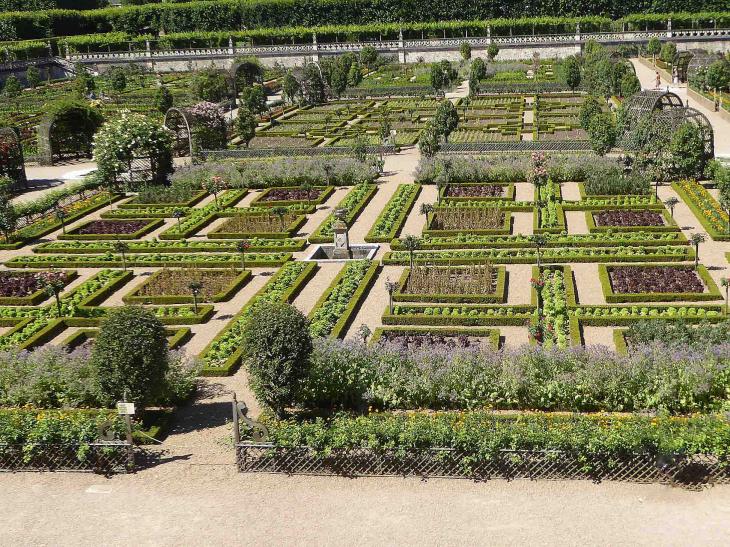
x,y
133,298
47,248
619,340
151,226
709,228
671,225
562,223
525,312
609,204
353,305
717,311
56,225
322,198
492,334
37,297
504,230
133,214
498,297
713,293
400,221
351,217
679,240
291,231
131,204
234,360
17,262
584,195
509,195
388,261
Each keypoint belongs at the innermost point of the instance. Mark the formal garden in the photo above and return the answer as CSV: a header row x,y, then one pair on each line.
x,y
476,268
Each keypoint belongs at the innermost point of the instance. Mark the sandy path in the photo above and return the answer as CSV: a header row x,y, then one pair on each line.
x,y
371,312
518,288
576,222
524,191
588,285
570,191
522,223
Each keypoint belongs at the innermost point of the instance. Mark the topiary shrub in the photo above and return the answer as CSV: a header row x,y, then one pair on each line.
x,y
130,356
276,347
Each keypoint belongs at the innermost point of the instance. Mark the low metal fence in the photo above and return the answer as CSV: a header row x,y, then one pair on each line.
x,y
274,152
507,464
515,146
99,457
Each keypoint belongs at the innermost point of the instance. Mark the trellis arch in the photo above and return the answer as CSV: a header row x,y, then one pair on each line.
x,y
681,63
77,142
700,60
177,121
674,118
13,164
244,64
644,103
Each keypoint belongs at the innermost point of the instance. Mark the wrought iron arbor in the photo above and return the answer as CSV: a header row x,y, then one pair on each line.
x,y
642,104
64,136
191,132
681,63
12,164
673,118
176,120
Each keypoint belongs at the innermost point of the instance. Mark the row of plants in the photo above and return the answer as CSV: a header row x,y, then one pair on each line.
x,y
392,219
338,304
477,284
199,217
613,315
354,202
657,283
212,260
255,245
707,210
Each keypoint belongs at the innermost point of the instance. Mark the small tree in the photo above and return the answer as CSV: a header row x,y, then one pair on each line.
x,y
163,100
654,47
118,81
539,241
290,88
630,85
53,283
572,72
178,213
364,332
8,219
695,239
195,287
725,282
276,346
426,209
13,87
671,203
411,244
307,187
338,81
588,110
668,52
60,215
359,148
446,119
280,211
687,151
242,246
254,99
428,140
130,356
214,186
391,287
465,50
246,125
33,75
368,56
122,247
492,51
210,85
602,133
478,69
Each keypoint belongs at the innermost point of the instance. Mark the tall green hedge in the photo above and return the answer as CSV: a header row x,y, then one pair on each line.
x,y
252,14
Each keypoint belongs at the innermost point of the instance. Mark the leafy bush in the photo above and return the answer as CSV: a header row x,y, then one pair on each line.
x,y
277,346
588,110
677,335
687,149
130,356
611,181
602,133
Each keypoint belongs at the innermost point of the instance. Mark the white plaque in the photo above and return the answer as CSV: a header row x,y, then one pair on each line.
x,y
125,408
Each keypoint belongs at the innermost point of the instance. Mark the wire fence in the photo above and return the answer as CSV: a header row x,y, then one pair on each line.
x,y
104,457
507,464
516,146
275,152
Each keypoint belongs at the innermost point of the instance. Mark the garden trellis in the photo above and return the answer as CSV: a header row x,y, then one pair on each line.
x,y
642,104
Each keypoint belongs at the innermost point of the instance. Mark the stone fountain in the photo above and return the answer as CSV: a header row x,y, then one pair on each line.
x,y
341,251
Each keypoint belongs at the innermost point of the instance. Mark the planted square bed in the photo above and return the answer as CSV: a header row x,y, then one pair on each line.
x,y
113,229
656,283
250,225
631,220
478,192
22,288
293,195
171,286
478,284
427,338
468,220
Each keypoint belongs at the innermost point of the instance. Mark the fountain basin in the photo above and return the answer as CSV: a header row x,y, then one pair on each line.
x,y
324,253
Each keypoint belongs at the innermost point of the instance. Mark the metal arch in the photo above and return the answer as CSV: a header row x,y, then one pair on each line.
x,y
16,169
701,60
45,138
674,118
174,114
237,65
644,103
681,62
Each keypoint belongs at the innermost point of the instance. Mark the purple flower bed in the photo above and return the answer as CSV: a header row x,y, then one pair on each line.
x,y
113,227
478,191
293,194
655,279
18,284
414,341
629,217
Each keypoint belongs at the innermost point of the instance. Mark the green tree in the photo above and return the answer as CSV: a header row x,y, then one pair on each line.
x,y
446,119
53,283
669,51
246,125
671,203
242,246
411,244
428,140
687,150
695,239
122,247
338,81
465,50
33,75
359,148
163,100
437,77
588,110
539,241
654,47
13,87
276,347
254,99
602,133
354,76
630,85
130,356
290,88
492,51
718,75
8,219
210,85
478,69
572,72
195,287
368,56
118,80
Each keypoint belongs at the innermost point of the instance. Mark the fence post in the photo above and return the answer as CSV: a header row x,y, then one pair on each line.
x,y
236,428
